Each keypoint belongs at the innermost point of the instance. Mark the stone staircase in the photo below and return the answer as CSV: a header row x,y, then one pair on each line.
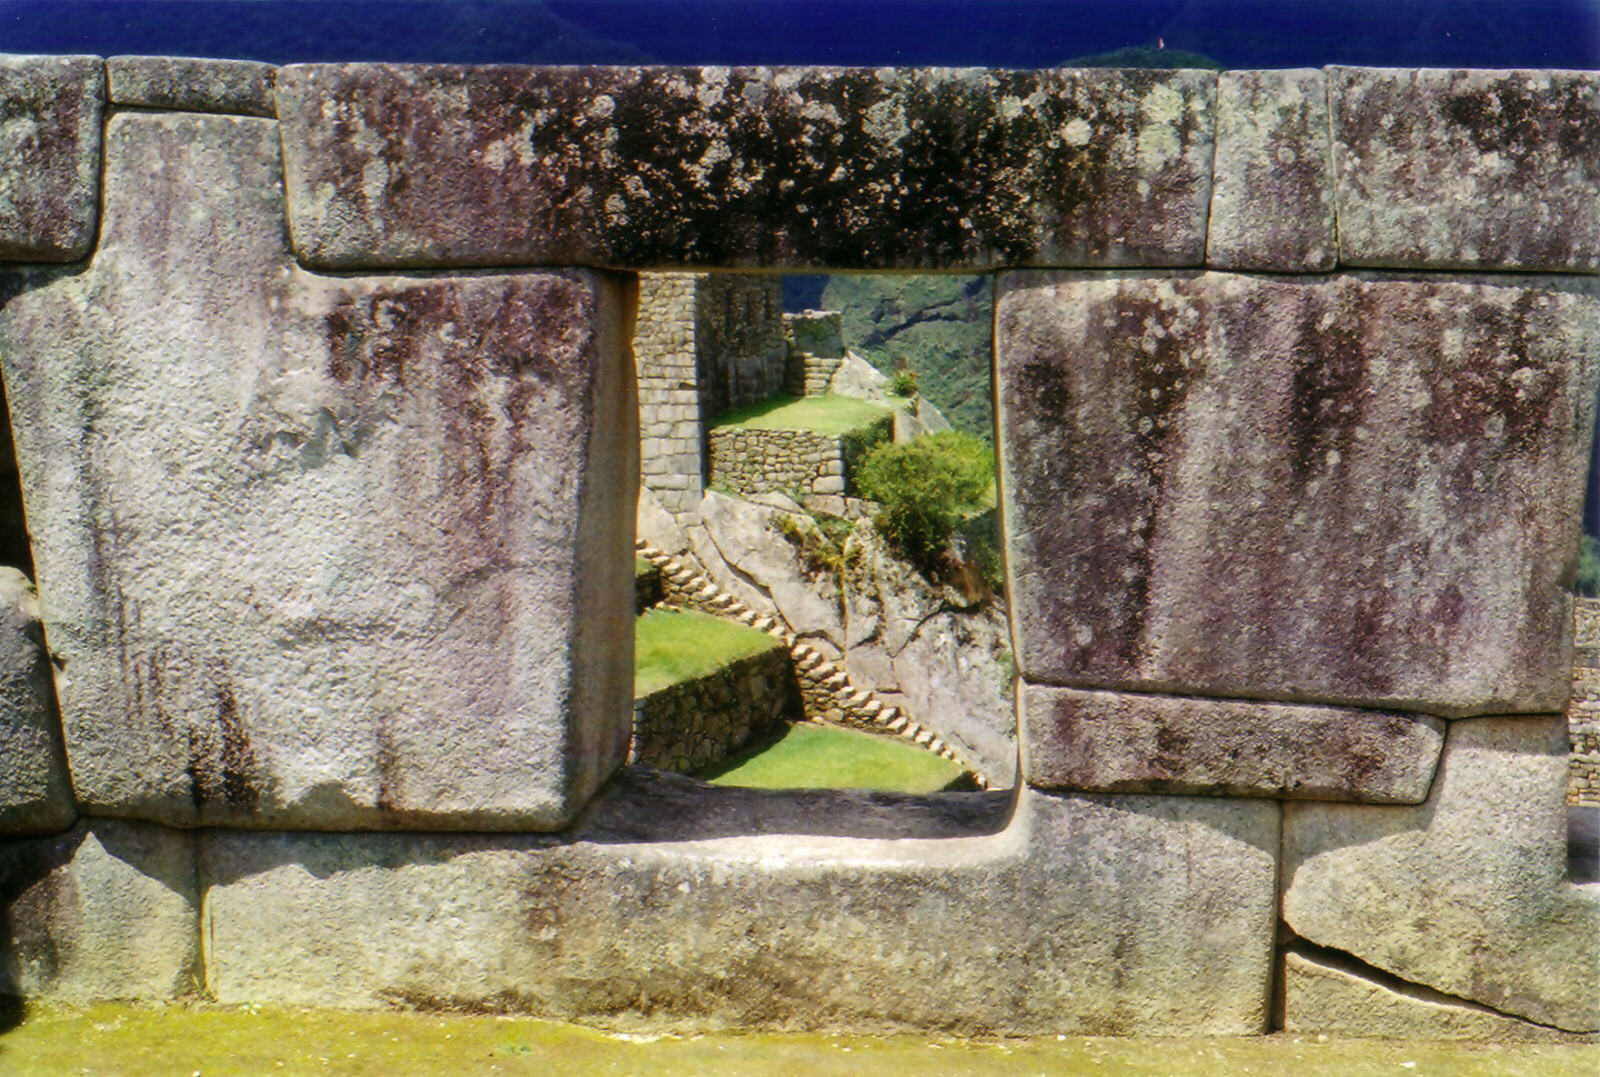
x,y
827,693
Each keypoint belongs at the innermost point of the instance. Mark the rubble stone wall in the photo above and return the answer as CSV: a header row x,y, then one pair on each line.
x,y
1294,418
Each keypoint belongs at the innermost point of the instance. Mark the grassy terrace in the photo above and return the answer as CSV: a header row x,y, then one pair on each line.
x,y
822,414
133,1041
825,757
672,646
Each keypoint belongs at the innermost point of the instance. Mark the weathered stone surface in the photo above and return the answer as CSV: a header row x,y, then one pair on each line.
x,y
789,167
1467,169
1346,490
104,911
1330,1000
1467,893
1098,915
1272,189
1116,742
49,156
320,552
35,792
951,675
191,84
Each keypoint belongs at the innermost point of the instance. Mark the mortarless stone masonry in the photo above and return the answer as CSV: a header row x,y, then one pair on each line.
x,y
749,460
703,344
687,726
350,551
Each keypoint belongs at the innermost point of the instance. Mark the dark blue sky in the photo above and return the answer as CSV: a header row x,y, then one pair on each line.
x,y
1006,33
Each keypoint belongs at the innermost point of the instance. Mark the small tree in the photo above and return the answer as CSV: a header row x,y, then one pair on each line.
x,y
926,486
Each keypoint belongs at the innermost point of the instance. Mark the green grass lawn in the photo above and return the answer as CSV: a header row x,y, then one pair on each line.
x,y
641,567
132,1041
680,645
827,414
806,756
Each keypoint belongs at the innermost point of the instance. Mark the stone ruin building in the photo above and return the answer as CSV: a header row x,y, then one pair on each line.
x,y
325,422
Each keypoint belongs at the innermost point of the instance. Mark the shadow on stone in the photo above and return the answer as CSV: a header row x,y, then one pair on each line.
x,y
1583,844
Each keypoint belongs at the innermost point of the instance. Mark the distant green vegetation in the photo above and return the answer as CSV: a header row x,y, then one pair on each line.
x,y
927,486
1145,56
806,756
937,327
679,645
1588,582
827,414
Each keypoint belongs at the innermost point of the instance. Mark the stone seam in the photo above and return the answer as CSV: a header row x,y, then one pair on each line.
x,y
1347,962
824,686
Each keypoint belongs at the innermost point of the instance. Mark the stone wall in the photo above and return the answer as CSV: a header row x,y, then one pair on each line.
x,y
816,351
687,726
1583,713
332,568
671,437
752,461
738,325
702,344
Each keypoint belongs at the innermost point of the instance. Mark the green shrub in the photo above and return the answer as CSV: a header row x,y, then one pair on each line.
x,y
926,486
904,382
1588,582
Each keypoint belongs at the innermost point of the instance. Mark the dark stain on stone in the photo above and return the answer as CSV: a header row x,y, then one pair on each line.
x,y
1172,753
1530,127
386,758
1326,393
1502,410
238,757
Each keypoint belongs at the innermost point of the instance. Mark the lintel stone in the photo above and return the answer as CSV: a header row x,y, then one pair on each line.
x,y
931,168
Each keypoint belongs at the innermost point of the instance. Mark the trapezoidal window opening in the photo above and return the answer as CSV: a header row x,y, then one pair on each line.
x,y
820,577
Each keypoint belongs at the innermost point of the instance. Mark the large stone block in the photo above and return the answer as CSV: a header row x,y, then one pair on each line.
x,y
793,167
320,552
191,84
1272,191
108,910
1347,490
49,156
1116,742
1466,894
1337,1000
1467,169
35,792
1113,915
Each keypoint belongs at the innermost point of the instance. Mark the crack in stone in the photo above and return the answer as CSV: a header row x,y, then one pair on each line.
x,y
1346,962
